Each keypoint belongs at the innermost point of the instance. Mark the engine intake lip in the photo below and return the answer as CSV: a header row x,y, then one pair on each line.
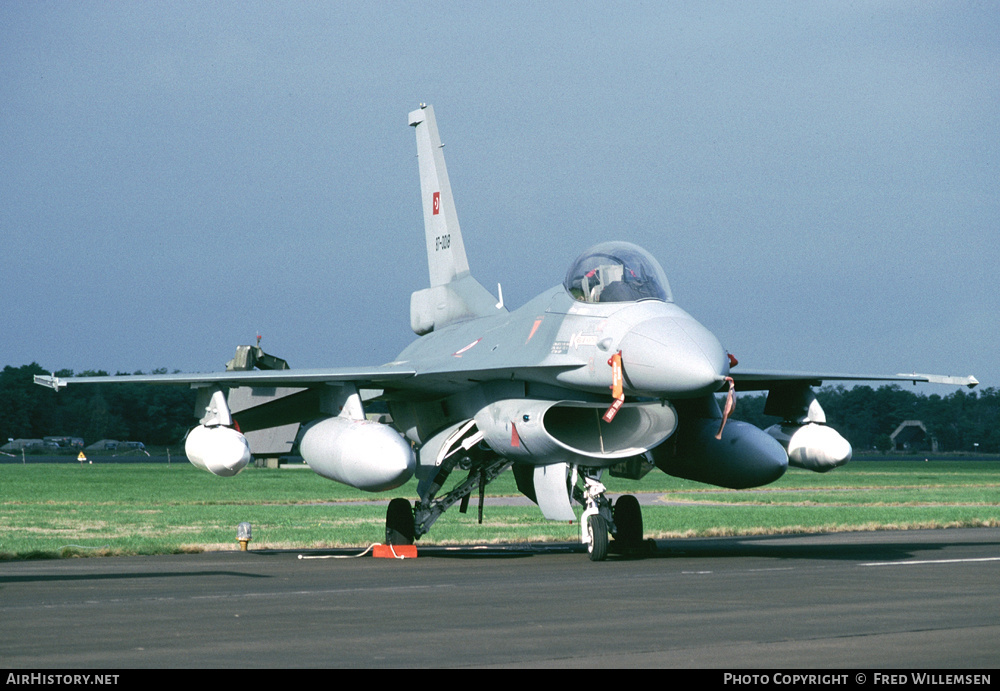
x,y
638,427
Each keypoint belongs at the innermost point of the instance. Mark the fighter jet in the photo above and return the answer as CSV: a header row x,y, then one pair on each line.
x,y
602,373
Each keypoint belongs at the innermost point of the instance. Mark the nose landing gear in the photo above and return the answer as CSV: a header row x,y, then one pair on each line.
x,y
599,519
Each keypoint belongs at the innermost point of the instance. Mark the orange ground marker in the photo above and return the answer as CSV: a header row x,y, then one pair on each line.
x,y
394,551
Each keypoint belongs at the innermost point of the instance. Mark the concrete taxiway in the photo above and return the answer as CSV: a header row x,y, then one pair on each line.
x,y
851,600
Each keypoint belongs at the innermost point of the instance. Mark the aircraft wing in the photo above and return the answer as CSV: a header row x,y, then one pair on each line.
x,y
303,401
760,380
430,379
376,376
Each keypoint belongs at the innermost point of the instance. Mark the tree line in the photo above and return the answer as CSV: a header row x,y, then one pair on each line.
x,y
963,420
154,415
161,415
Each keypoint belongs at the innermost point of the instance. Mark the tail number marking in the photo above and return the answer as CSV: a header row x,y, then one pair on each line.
x,y
442,242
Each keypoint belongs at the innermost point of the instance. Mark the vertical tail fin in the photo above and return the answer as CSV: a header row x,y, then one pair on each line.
x,y
446,258
454,294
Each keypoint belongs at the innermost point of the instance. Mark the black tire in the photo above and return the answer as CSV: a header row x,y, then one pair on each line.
x,y
399,528
628,522
598,529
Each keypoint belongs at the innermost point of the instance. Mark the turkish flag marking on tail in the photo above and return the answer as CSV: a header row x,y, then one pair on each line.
x,y
437,203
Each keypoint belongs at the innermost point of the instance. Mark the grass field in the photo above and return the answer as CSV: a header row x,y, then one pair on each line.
x,y
51,510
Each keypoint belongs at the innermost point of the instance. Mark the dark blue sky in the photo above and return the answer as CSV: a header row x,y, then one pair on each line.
x,y
819,180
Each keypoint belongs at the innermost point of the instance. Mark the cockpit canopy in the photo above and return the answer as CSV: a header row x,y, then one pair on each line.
x,y
617,272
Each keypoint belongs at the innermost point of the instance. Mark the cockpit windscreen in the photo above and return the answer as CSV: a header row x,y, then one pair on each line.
x,y
617,272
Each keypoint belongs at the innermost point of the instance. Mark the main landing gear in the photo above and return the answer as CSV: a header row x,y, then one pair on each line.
x,y
404,524
599,523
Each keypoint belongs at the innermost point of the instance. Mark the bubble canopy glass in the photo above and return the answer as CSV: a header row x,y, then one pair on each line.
x,y
617,272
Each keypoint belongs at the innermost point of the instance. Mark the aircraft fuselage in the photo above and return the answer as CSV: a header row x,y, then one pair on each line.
x,y
508,370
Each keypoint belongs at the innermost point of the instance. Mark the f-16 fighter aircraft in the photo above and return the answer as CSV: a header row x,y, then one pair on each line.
x,y
602,372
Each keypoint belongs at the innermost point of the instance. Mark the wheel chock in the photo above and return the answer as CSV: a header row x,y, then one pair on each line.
x,y
395,552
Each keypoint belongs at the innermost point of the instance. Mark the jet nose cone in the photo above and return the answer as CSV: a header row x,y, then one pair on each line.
x,y
673,357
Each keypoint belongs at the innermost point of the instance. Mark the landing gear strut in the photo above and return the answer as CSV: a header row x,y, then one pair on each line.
x,y
405,523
